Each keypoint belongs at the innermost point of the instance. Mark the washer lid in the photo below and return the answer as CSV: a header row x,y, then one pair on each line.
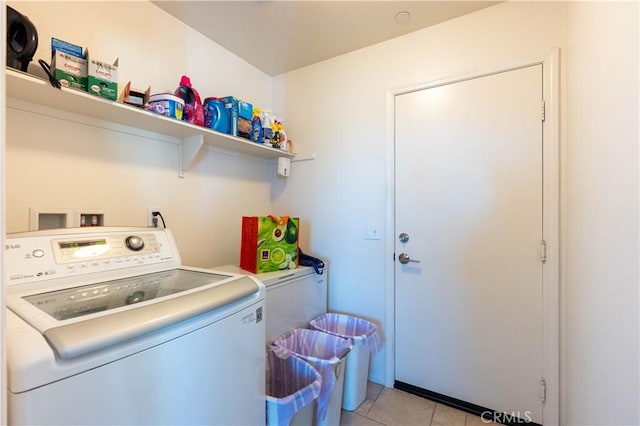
x,y
102,296
79,338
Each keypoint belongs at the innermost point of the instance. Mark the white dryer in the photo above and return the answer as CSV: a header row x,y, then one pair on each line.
x,y
105,326
294,297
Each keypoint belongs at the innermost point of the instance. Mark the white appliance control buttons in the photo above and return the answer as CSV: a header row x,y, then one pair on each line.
x,y
37,253
134,243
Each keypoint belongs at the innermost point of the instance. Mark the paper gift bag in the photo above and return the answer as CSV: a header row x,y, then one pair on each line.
x,y
269,243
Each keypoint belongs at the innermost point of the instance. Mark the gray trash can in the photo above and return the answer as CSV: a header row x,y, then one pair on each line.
x,y
291,387
365,339
327,354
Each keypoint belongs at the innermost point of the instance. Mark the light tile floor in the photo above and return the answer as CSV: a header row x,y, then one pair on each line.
x,y
392,407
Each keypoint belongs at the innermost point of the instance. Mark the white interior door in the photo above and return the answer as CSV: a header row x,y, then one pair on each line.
x,y
469,197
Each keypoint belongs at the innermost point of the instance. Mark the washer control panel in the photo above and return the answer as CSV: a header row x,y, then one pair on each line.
x,y
41,255
105,247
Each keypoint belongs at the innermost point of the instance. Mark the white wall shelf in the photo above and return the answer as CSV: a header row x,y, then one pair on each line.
x,y
192,138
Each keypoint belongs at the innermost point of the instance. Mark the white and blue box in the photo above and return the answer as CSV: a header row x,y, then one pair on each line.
x,y
240,116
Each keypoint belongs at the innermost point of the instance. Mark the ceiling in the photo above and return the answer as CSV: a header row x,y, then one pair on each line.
x,y
283,35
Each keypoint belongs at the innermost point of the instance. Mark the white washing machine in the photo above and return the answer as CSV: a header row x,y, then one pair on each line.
x,y
294,297
105,326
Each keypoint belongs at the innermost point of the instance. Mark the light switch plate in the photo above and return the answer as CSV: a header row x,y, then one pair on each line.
x,y
371,231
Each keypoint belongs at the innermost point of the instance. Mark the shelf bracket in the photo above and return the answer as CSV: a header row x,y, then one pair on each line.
x,y
189,148
307,158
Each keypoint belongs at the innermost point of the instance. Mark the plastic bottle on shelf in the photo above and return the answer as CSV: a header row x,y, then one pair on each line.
x,y
279,138
284,141
256,127
267,131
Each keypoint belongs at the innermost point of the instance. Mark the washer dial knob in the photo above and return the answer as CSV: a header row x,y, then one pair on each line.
x,y
134,243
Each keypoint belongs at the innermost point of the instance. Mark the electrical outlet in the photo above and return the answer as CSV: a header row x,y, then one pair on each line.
x,y
152,221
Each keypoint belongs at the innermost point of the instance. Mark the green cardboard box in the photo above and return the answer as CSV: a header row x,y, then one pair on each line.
x,y
69,70
103,79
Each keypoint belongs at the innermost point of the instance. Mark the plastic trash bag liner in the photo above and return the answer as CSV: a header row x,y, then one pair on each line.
x,y
362,332
323,351
291,385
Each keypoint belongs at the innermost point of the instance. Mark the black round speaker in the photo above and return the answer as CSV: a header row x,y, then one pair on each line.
x,y
22,40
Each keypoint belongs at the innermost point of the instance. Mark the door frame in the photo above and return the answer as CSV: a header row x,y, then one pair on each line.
x,y
551,217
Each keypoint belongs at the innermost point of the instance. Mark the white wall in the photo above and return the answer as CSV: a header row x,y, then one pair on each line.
x,y
53,163
601,226
337,109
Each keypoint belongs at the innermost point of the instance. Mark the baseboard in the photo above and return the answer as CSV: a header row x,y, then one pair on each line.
x,y
487,415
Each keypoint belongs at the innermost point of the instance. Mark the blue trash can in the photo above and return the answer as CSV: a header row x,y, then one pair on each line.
x,y
327,354
364,336
291,387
